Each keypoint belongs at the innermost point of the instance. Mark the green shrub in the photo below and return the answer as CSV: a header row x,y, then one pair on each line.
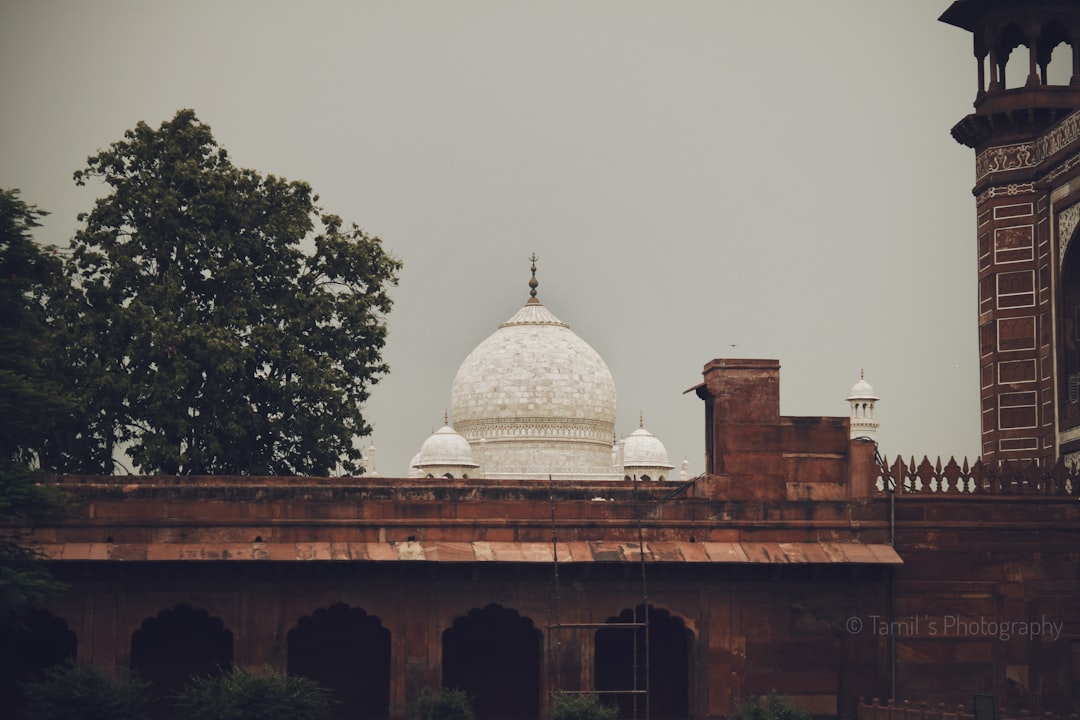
x,y
243,694
581,706
82,692
771,707
445,705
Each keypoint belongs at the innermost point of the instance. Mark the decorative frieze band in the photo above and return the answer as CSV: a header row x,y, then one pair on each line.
x,y
1005,157
1004,191
1063,167
525,427
1060,136
1024,155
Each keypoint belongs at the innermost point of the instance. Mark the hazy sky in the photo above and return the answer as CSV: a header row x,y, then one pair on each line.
x,y
699,179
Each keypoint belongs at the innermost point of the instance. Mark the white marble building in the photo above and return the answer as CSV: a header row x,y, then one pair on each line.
x,y
535,400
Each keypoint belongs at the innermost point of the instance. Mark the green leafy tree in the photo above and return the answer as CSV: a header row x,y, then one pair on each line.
x,y
218,321
82,692
243,694
31,405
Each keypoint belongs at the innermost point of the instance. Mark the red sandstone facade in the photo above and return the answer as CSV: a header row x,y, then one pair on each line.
x,y
789,567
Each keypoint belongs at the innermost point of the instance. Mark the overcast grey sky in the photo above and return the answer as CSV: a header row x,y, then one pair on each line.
x,y
700,179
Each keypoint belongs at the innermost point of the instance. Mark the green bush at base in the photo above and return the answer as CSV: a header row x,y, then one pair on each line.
x,y
445,705
82,692
243,694
771,707
581,707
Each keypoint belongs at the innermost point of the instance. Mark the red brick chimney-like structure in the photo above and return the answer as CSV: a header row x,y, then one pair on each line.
x,y
752,452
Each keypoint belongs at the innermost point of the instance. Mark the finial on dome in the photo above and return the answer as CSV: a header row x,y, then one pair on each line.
x,y
532,281
641,419
445,418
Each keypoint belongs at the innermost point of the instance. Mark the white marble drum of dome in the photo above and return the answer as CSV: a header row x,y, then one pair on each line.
x,y
535,399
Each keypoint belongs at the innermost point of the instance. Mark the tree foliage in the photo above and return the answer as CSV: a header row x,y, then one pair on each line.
x,y
31,405
218,321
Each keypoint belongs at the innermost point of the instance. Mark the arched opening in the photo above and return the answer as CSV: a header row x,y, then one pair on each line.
x,y
175,646
618,650
1054,56
347,651
1012,37
28,647
1069,392
494,656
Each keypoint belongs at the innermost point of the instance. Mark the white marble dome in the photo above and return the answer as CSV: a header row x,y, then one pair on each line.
x,y
535,399
643,449
445,447
862,390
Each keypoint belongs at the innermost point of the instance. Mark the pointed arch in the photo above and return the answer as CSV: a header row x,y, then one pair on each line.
x,y
1011,37
668,662
493,654
347,651
1054,56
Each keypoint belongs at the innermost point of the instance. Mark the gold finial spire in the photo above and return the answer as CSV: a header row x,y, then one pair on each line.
x,y
862,375
532,281
445,418
641,419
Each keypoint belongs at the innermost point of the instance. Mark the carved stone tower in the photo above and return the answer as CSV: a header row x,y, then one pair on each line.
x,y
1026,135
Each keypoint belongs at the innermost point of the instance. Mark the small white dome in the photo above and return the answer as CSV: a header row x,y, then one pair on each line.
x,y
862,390
445,448
643,449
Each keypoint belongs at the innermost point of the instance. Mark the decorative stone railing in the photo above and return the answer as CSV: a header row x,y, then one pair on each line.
x,y
874,710
979,478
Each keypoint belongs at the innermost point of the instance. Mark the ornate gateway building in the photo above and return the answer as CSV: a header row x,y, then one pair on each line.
x,y
1027,199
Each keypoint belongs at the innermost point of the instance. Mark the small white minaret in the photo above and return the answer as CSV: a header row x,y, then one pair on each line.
x,y
369,463
862,398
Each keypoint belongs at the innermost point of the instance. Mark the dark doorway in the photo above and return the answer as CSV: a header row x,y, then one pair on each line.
x,y
347,651
494,656
175,646
668,663
29,646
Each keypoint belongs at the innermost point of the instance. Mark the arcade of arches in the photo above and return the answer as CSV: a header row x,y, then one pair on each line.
x,y
492,653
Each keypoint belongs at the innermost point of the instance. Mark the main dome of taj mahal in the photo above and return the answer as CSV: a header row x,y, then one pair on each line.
x,y
534,400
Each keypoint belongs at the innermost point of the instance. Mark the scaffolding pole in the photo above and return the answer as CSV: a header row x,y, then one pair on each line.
x,y
556,626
